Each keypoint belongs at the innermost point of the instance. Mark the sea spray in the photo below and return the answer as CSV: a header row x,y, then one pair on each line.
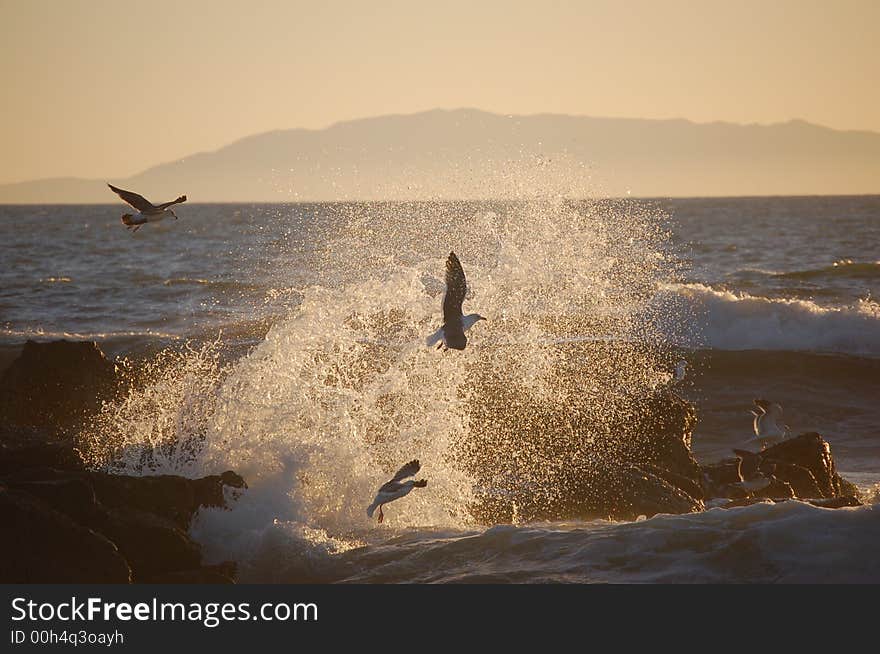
x,y
341,390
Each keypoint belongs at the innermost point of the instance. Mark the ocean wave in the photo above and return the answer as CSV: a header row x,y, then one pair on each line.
x,y
843,269
739,321
789,542
41,334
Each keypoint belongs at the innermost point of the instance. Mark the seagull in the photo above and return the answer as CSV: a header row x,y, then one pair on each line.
x,y
147,211
755,472
397,488
768,425
451,334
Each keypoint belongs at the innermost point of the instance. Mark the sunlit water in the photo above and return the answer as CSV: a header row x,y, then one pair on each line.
x,y
287,342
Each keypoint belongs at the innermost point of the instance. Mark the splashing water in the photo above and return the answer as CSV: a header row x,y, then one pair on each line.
x,y
342,390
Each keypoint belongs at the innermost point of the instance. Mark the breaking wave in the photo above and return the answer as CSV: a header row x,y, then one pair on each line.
x,y
739,321
341,390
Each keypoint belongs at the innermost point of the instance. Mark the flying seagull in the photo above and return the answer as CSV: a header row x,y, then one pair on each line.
x,y
451,334
397,488
768,425
147,211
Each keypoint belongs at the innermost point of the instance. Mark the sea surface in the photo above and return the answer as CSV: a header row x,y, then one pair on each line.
x,y
287,342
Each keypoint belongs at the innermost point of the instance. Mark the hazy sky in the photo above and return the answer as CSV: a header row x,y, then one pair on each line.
x,y
108,88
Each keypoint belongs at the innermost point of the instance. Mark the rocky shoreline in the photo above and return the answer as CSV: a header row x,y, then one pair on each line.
x,y
62,522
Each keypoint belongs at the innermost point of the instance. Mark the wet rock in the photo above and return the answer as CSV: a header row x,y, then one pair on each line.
x,y
801,480
801,467
56,385
151,544
681,482
721,474
775,490
573,452
813,453
41,545
174,498
660,436
60,455
144,520
641,493
73,497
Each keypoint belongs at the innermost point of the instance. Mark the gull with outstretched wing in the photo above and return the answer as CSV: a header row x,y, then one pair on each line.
x,y
455,323
147,211
397,488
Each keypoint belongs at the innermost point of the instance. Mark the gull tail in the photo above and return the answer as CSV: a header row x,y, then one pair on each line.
x,y
421,483
434,338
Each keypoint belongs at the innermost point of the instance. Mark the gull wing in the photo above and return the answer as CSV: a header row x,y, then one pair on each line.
x,y
408,470
165,205
139,202
456,287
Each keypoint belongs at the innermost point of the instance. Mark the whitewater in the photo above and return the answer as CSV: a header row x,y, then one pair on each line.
x,y
296,357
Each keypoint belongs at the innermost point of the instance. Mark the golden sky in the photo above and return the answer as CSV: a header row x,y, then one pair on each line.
x,y
107,88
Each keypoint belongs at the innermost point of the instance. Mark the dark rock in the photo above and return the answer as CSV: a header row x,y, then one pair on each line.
x,y
144,519
722,473
209,491
800,479
169,496
56,385
646,494
660,435
775,490
61,455
73,497
41,545
681,482
583,447
152,545
801,467
812,452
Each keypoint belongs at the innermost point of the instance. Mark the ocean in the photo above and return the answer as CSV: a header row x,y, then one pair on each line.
x,y
286,342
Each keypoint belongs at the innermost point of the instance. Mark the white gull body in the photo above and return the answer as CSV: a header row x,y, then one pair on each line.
x,y
147,211
768,426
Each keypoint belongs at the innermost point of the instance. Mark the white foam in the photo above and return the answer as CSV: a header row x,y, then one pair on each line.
x,y
342,391
738,321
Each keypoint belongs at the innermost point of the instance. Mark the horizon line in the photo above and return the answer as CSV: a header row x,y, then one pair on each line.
x,y
467,200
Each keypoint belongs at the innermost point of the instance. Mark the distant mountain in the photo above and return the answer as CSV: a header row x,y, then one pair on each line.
x,y
466,153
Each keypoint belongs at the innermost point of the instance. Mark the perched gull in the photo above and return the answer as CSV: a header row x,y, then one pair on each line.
x,y
769,428
755,472
147,211
451,334
397,488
